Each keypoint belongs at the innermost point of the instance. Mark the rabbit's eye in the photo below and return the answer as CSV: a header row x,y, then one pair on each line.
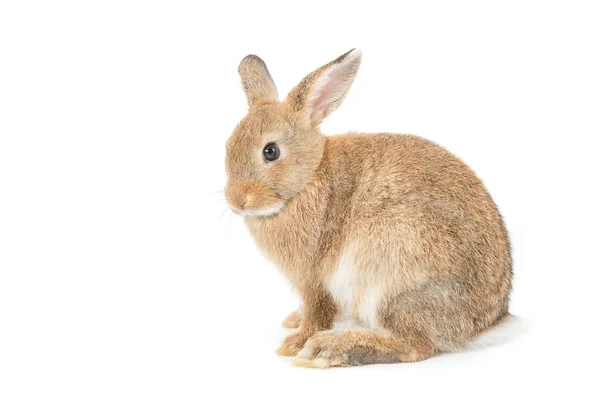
x,y
271,152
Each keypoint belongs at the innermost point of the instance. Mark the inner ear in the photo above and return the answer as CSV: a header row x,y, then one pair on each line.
x,y
331,88
322,91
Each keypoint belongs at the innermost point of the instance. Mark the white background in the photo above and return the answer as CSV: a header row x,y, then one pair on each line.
x,y
121,279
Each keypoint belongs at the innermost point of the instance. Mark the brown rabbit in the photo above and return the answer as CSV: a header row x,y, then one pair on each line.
x,y
390,230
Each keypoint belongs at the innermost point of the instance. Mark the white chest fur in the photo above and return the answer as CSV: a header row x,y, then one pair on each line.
x,y
357,298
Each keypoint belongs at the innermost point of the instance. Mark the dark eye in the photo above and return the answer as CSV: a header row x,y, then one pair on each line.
x,y
271,152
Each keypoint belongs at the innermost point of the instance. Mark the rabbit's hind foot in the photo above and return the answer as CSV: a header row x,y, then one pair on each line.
x,y
357,346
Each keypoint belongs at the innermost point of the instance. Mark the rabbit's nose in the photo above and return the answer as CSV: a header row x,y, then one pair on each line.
x,y
239,206
236,198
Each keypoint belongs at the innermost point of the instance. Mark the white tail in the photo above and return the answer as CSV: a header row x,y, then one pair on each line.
x,y
509,328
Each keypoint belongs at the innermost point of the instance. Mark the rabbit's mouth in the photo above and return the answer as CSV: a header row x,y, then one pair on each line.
x,y
246,208
260,212
253,200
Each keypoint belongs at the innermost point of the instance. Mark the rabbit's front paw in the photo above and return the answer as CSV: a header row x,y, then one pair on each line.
x,y
293,344
293,320
324,349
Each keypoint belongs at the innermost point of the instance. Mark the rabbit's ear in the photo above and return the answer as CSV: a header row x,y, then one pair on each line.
x,y
256,81
322,91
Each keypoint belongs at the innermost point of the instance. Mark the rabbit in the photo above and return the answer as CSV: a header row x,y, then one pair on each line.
x,y
389,230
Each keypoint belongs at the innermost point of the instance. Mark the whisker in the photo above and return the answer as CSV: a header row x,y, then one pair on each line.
x,y
223,213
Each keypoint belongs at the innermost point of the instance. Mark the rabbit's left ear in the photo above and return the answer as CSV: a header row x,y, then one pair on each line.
x,y
321,92
256,81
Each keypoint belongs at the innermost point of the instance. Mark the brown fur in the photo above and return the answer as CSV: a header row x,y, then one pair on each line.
x,y
420,225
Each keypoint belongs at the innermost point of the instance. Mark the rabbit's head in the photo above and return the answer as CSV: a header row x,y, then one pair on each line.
x,y
275,150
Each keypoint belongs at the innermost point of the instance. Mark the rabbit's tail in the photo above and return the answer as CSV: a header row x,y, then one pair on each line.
x,y
505,331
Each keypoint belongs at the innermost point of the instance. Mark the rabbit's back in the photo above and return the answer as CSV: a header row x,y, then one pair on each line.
x,y
415,216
